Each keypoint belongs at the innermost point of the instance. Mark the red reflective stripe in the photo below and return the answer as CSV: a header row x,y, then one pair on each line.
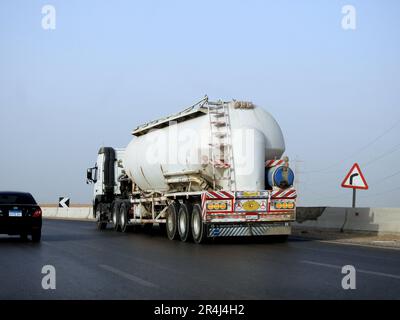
x,y
227,194
276,194
290,193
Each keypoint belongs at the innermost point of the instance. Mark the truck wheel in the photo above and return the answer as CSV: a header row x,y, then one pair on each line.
x,y
123,217
172,218
199,229
101,224
184,218
115,216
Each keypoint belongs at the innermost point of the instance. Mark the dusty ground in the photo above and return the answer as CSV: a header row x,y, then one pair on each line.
x,y
360,238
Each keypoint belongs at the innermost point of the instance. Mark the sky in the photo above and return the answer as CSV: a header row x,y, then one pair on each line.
x,y
109,66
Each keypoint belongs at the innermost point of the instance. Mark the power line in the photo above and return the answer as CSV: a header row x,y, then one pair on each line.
x,y
366,146
385,178
397,147
380,194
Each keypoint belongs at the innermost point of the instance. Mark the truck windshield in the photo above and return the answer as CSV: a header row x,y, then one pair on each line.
x,y
16,198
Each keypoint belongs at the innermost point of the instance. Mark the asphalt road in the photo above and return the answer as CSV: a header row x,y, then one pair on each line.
x,y
92,264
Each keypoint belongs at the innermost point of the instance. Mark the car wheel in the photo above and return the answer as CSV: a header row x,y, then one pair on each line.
x,y
184,218
199,229
172,218
36,235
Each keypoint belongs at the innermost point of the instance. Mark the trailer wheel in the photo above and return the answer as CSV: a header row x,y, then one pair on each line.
x,y
115,216
184,218
172,219
199,229
123,217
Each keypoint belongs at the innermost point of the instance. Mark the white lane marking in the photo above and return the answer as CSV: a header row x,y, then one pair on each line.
x,y
128,276
360,245
346,243
381,274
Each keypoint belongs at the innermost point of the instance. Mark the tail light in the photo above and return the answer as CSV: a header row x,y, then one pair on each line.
x,y
37,213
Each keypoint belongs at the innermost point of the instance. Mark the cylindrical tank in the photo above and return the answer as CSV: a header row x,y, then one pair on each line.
x,y
155,159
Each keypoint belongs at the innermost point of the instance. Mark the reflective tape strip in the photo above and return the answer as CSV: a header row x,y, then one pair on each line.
x,y
203,205
219,195
273,163
284,193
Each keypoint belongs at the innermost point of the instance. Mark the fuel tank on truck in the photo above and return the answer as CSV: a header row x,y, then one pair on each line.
x,y
180,151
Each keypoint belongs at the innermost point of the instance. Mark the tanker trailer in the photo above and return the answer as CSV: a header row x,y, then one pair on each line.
x,y
213,170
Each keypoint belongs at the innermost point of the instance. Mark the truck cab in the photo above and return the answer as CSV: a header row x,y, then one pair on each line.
x,y
108,177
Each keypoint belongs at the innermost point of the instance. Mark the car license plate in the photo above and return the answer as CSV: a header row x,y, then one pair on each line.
x,y
15,213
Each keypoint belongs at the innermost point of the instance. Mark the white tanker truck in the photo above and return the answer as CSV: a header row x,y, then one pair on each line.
x,y
212,170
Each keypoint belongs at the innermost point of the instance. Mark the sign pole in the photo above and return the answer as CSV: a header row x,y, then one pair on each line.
x,y
354,198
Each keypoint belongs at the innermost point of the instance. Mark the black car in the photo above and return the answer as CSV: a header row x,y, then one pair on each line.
x,y
20,215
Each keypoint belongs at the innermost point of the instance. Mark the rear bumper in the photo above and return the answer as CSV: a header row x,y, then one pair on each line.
x,y
14,226
248,229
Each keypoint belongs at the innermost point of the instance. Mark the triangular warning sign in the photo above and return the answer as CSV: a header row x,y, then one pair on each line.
x,y
355,179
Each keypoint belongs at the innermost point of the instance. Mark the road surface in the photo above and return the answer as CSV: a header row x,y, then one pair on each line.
x,y
92,264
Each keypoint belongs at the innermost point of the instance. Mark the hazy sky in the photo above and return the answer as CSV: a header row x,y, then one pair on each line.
x,y
111,65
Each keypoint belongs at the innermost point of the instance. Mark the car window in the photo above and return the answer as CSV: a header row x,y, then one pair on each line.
x,y
12,198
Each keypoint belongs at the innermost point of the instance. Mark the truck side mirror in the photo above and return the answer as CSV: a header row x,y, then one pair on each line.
x,y
89,175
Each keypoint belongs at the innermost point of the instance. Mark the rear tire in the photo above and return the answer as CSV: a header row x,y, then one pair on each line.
x,y
36,235
199,228
115,216
184,218
172,219
124,217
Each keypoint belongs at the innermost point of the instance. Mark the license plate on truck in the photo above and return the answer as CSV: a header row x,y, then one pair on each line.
x,y
15,213
251,216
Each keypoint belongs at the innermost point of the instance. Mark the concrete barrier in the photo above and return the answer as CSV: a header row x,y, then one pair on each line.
x,y
376,220
308,213
78,213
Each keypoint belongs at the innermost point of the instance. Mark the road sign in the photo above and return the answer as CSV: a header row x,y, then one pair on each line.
x,y
355,179
63,202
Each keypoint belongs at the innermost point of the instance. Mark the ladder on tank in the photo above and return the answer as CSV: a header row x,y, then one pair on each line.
x,y
221,150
